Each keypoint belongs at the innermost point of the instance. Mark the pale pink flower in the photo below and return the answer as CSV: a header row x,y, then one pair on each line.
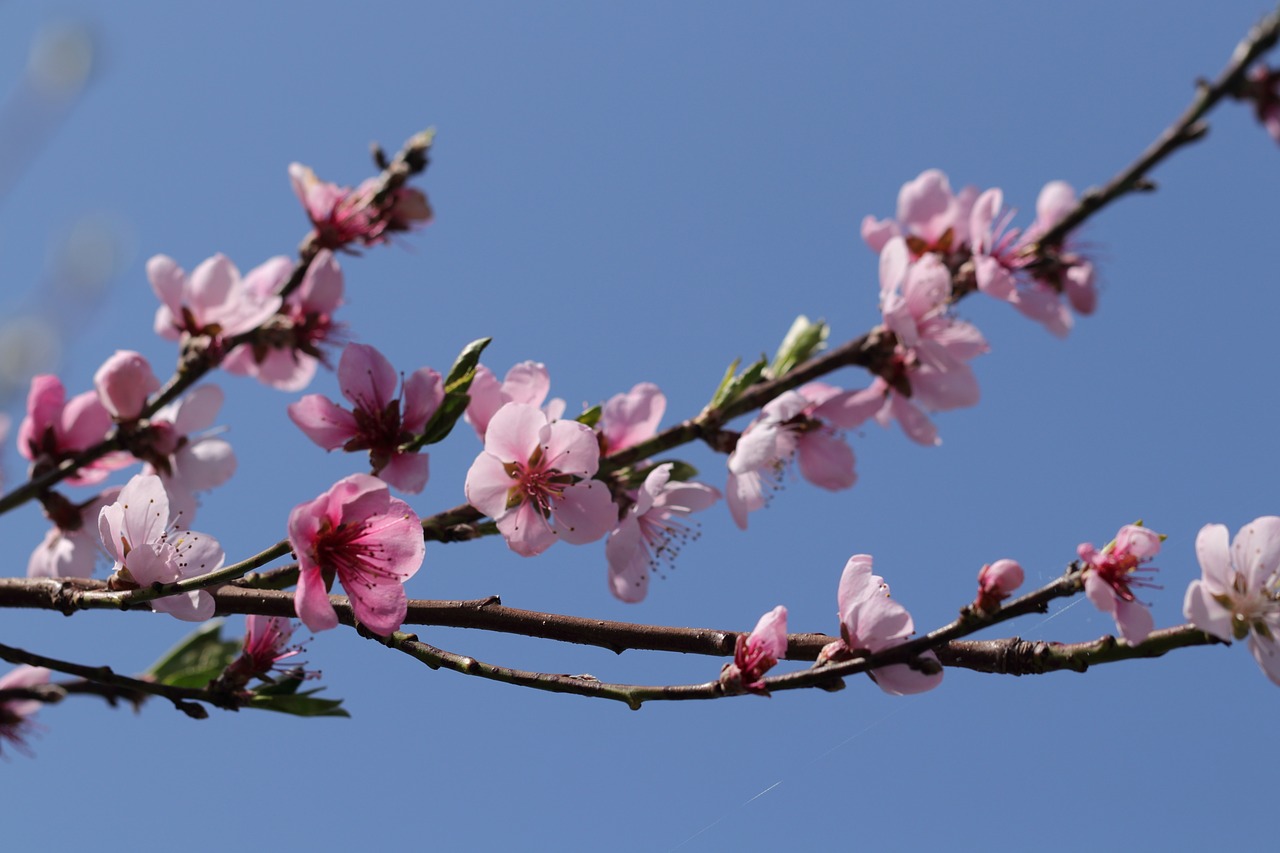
x,y
381,421
71,548
1004,271
630,418
55,429
1238,595
342,215
288,349
756,654
180,446
124,381
996,582
653,530
1111,574
534,480
931,218
803,424
870,622
213,300
526,382
15,714
143,539
369,540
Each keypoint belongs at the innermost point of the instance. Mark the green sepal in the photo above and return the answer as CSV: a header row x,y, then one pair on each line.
x,y
803,339
199,658
732,386
591,416
456,386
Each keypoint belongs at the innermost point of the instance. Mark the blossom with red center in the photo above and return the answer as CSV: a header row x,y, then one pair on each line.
x,y
139,532
56,428
380,421
1112,573
15,714
360,535
756,654
534,480
870,622
652,530
342,216
265,648
288,347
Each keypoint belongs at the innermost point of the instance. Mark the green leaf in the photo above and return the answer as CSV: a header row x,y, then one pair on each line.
x,y
591,416
681,471
197,659
456,398
803,339
303,704
464,367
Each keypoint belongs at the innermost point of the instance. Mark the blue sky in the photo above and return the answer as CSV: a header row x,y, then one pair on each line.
x,y
632,193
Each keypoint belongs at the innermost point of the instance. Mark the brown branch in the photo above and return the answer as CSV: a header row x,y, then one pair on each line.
x,y
1188,128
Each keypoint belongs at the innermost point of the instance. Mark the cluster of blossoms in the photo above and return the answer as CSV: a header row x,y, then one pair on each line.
x,y
343,216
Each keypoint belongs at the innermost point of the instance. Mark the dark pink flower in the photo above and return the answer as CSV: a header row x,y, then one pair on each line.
x,y
870,622
263,653
1263,88
756,654
15,714
342,216
360,535
55,428
1111,574
534,480
381,421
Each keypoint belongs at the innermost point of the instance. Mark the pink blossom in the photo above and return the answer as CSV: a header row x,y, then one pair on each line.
x,y
1111,573
213,301
527,382
630,418
996,582
265,648
756,654
1238,595
71,548
124,381
15,714
55,429
652,531
179,446
369,540
532,470
930,217
380,421
801,424
289,347
1005,271
870,622
342,216
140,534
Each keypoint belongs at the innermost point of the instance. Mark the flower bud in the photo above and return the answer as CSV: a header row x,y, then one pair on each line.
x,y
996,581
124,382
